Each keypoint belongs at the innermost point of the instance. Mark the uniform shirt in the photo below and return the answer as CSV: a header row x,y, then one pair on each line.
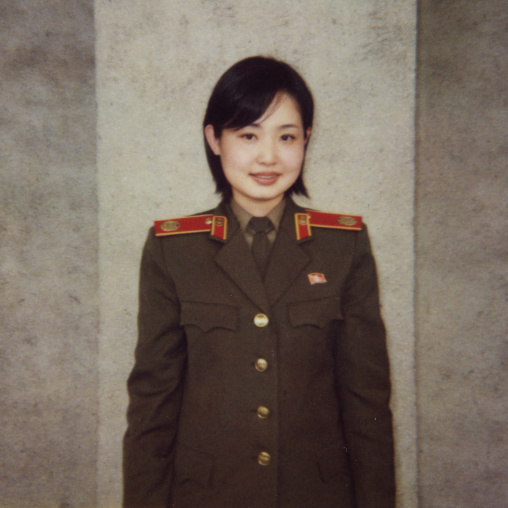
x,y
243,217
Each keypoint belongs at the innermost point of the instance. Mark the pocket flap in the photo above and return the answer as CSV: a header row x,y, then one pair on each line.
x,y
315,312
209,315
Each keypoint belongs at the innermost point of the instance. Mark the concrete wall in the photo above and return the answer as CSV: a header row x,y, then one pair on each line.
x,y
48,255
156,64
462,253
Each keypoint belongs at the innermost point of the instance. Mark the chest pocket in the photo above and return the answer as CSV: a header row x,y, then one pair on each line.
x,y
207,316
315,312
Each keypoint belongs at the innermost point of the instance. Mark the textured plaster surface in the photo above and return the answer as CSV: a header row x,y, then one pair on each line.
x,y
156,65
48,255
461,253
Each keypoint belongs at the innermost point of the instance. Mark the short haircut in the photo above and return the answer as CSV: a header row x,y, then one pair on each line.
x,y
242,95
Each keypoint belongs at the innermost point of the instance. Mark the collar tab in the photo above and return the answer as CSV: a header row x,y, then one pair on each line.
x,y
302,224
219,227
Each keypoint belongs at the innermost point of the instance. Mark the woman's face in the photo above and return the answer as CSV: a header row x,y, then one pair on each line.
x,y
262,161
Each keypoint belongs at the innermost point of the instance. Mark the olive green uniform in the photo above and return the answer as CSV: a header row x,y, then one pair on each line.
x,y
246,394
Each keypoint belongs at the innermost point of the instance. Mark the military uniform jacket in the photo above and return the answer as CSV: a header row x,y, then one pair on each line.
x,y
247,395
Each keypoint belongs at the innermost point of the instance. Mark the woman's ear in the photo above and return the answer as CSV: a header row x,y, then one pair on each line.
x,y
307,135
213,142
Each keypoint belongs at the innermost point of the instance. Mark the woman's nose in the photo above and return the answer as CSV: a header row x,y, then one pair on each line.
x,y
267,154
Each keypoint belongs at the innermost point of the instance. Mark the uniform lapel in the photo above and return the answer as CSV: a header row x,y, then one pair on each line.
x,y
287,259
235,259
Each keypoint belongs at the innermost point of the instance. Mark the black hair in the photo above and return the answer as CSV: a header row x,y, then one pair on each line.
x,y
242,95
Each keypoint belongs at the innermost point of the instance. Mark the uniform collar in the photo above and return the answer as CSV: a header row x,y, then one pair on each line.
x,y
286,262
285,221
243,216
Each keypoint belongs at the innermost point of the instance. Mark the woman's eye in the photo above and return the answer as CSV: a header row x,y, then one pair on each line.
x,y
287,137
248,136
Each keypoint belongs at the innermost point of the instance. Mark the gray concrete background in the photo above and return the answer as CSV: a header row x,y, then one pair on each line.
x,y
156,64
462,253
48,255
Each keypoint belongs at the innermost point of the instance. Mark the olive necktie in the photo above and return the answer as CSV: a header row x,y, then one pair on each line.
x,y
260,244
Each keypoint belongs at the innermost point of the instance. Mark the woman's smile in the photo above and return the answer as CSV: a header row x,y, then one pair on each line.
x,y
265,178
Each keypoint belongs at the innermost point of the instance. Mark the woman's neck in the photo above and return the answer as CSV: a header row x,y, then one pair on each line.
x,y
257,208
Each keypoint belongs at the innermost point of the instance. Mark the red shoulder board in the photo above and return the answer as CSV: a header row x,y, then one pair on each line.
x,y
334,220
313,218
217,225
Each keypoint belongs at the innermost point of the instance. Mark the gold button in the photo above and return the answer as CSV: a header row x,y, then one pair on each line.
x,y
261,320
264,458
261,364
263,412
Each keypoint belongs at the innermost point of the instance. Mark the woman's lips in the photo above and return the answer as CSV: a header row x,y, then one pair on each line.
x,y
265,178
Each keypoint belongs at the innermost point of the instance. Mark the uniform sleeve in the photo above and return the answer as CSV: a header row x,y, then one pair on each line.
x,y
364,384
154,386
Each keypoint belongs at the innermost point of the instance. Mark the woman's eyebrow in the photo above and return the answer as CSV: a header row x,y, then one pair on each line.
x,y
289,126
285,126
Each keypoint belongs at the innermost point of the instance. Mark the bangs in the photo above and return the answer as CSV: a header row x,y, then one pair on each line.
x,y
245,92
241,104
248,108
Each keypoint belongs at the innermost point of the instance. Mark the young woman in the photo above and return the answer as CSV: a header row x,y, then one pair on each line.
x,y
261,376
